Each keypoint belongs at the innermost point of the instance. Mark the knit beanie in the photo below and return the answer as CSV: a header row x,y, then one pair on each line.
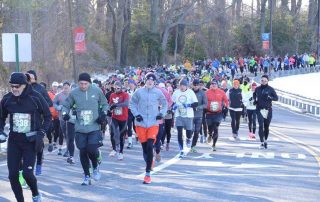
x,y
84,77
18,78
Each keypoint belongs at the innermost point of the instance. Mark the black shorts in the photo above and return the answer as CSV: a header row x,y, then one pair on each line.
x,y
92,138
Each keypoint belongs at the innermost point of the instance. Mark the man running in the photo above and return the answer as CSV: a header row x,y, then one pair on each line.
x,y
217,100
144,105
91,107
29,119
198,112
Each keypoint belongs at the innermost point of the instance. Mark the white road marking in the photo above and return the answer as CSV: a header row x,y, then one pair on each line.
x,y
268,155
240,166
309,149
236,174
204,156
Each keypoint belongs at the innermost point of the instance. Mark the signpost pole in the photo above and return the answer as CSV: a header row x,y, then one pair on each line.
x,y
17,52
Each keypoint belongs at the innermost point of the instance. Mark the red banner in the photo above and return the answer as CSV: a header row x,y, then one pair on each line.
x,y
265,45
79,36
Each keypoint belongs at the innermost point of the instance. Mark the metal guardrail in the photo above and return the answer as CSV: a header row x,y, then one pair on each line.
x,y
305,105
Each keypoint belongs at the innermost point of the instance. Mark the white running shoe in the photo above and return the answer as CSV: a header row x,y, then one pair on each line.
x,y
112,153
96,175
120,156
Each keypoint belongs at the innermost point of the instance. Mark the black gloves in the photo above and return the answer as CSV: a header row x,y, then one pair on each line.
x,y
102,118
65,116
169,112
194,105
112,107
139,118
109,113
159,116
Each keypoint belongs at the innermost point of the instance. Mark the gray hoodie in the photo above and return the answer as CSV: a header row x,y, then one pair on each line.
x,y
202,103
88,104
145,102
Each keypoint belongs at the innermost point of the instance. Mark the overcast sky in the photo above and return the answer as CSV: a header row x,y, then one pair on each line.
x,y
248,2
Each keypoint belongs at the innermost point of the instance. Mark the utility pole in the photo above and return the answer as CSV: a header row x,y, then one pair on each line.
x,y
318,33
72,42
271,11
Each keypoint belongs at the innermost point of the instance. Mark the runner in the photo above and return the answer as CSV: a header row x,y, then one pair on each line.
x,y
235,98
217,100
263,97
251,110
198,112
185,101
91,107
144,106
56,129
119,101
66,126
29,119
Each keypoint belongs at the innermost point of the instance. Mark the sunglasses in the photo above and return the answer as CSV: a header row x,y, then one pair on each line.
x,y
262,80
15,86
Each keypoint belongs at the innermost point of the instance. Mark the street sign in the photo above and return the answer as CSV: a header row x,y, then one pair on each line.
x,y
79,36
23,45
265,45
265,36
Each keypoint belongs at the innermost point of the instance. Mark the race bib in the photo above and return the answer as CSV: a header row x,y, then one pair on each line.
x,y
21,123
264,113
214,106
182,111
86,117
118,111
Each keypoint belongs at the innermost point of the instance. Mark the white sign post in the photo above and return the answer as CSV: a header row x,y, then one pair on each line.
x,y
16,47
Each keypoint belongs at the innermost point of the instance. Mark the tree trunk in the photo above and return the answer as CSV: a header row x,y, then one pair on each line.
x,y
238,9
125,34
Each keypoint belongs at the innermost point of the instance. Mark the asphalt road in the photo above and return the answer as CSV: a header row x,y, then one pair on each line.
x,y
289,170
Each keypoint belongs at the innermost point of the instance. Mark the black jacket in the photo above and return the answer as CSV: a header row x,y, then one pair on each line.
x,y
235,98
37,87
263,96
29,102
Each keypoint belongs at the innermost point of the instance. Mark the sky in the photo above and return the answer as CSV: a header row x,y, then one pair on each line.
x,y
248,2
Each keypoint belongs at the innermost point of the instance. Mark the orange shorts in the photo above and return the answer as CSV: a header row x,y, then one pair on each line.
x,y
147,133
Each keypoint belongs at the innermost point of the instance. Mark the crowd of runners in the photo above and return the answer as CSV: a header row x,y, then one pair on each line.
x,y
134,105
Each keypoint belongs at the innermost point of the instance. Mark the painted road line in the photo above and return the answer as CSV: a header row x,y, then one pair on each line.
x,y
166,164
300,144
238,144
240,166
235,174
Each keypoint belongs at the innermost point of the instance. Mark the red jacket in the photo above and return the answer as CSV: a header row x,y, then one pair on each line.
x,y
119,113
216,96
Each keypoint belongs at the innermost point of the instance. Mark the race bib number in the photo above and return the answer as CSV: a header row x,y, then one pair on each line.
x,y
182,111
118,111
21,123
86,117
264,113
214,106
